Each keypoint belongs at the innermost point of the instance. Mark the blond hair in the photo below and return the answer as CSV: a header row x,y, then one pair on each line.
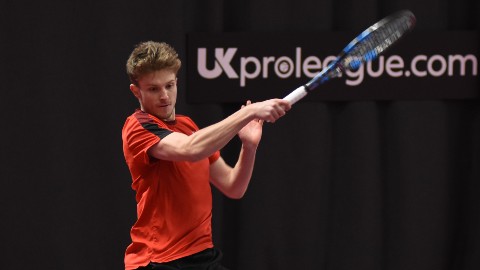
x,y
151,56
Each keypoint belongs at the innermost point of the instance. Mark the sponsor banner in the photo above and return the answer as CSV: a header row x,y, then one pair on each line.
x,y
234,67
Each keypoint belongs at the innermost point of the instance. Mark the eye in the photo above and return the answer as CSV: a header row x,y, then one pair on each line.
x,y
152,89
170,86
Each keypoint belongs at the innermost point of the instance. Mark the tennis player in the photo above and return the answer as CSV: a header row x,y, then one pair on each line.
x,y
172,163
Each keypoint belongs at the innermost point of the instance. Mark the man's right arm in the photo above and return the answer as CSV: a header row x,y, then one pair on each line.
x,y
203,143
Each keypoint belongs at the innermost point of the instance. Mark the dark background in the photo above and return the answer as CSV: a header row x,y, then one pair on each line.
x,y
338,185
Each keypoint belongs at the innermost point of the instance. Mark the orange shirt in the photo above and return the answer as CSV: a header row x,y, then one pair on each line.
x,y
174,199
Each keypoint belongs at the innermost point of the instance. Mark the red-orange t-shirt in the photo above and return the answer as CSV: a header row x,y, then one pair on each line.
x,y
174,199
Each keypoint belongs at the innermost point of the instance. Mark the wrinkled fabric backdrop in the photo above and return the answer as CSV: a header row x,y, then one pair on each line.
x,y
377,185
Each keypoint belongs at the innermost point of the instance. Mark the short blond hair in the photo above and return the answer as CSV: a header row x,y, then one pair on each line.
x,y
150,56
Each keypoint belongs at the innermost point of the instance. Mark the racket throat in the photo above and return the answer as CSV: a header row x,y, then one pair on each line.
x,y
336,72
307,88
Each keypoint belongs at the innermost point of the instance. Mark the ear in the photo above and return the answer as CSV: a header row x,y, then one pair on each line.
x,y
135,90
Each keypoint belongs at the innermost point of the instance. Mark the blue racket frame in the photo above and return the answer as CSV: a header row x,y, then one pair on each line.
x,y
367,46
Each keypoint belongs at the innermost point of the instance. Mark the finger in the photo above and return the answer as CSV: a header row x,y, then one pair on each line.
x,y
274,116
285,105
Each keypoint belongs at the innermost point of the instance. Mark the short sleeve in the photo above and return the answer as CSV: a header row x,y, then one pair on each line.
x,y
139,134
214,157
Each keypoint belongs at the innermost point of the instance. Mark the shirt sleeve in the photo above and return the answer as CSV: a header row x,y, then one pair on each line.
x,y
141,133
214,157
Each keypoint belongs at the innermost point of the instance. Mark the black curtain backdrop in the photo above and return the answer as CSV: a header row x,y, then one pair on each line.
x,y
377,185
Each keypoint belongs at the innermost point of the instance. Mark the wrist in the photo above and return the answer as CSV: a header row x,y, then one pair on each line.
x,y
249,146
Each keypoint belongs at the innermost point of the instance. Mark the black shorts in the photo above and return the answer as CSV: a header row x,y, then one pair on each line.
x,y
208,259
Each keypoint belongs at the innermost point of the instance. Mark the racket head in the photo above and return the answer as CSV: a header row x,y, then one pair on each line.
x,y
367,46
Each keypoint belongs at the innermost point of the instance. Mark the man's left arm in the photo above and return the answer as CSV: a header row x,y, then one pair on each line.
x,y
233,182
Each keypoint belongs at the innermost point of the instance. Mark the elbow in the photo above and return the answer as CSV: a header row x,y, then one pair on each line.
x,y
192,154
190,158
237,195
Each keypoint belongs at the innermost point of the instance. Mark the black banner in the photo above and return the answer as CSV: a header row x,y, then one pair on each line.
x,y
234,67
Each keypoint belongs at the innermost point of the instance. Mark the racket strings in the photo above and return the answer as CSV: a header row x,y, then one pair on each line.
x,y
375,43
366,47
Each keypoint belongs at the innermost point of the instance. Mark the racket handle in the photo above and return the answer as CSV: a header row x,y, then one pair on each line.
x,y
296,95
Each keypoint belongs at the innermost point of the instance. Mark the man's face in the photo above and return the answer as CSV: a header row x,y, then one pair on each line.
x,y
157,93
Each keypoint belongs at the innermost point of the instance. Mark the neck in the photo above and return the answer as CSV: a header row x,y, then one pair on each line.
x,y
171,117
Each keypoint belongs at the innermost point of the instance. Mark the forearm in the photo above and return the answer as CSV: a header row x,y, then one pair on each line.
x,y
242,172
233,182
206,141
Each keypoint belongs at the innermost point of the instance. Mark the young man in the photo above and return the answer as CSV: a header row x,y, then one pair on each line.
x,y
172,163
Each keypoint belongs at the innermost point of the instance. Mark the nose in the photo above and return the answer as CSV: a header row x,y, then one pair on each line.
x,y
163,93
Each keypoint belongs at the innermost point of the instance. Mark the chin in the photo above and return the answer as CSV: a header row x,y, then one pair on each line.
x,y
167,117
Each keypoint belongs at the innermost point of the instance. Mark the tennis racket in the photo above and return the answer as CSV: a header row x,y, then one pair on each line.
x,y
364,48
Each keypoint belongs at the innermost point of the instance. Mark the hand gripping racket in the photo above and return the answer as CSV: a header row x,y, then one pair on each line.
x,y
364,48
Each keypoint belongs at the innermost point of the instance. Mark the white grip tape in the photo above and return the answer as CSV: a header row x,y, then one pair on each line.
x,y
296,95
